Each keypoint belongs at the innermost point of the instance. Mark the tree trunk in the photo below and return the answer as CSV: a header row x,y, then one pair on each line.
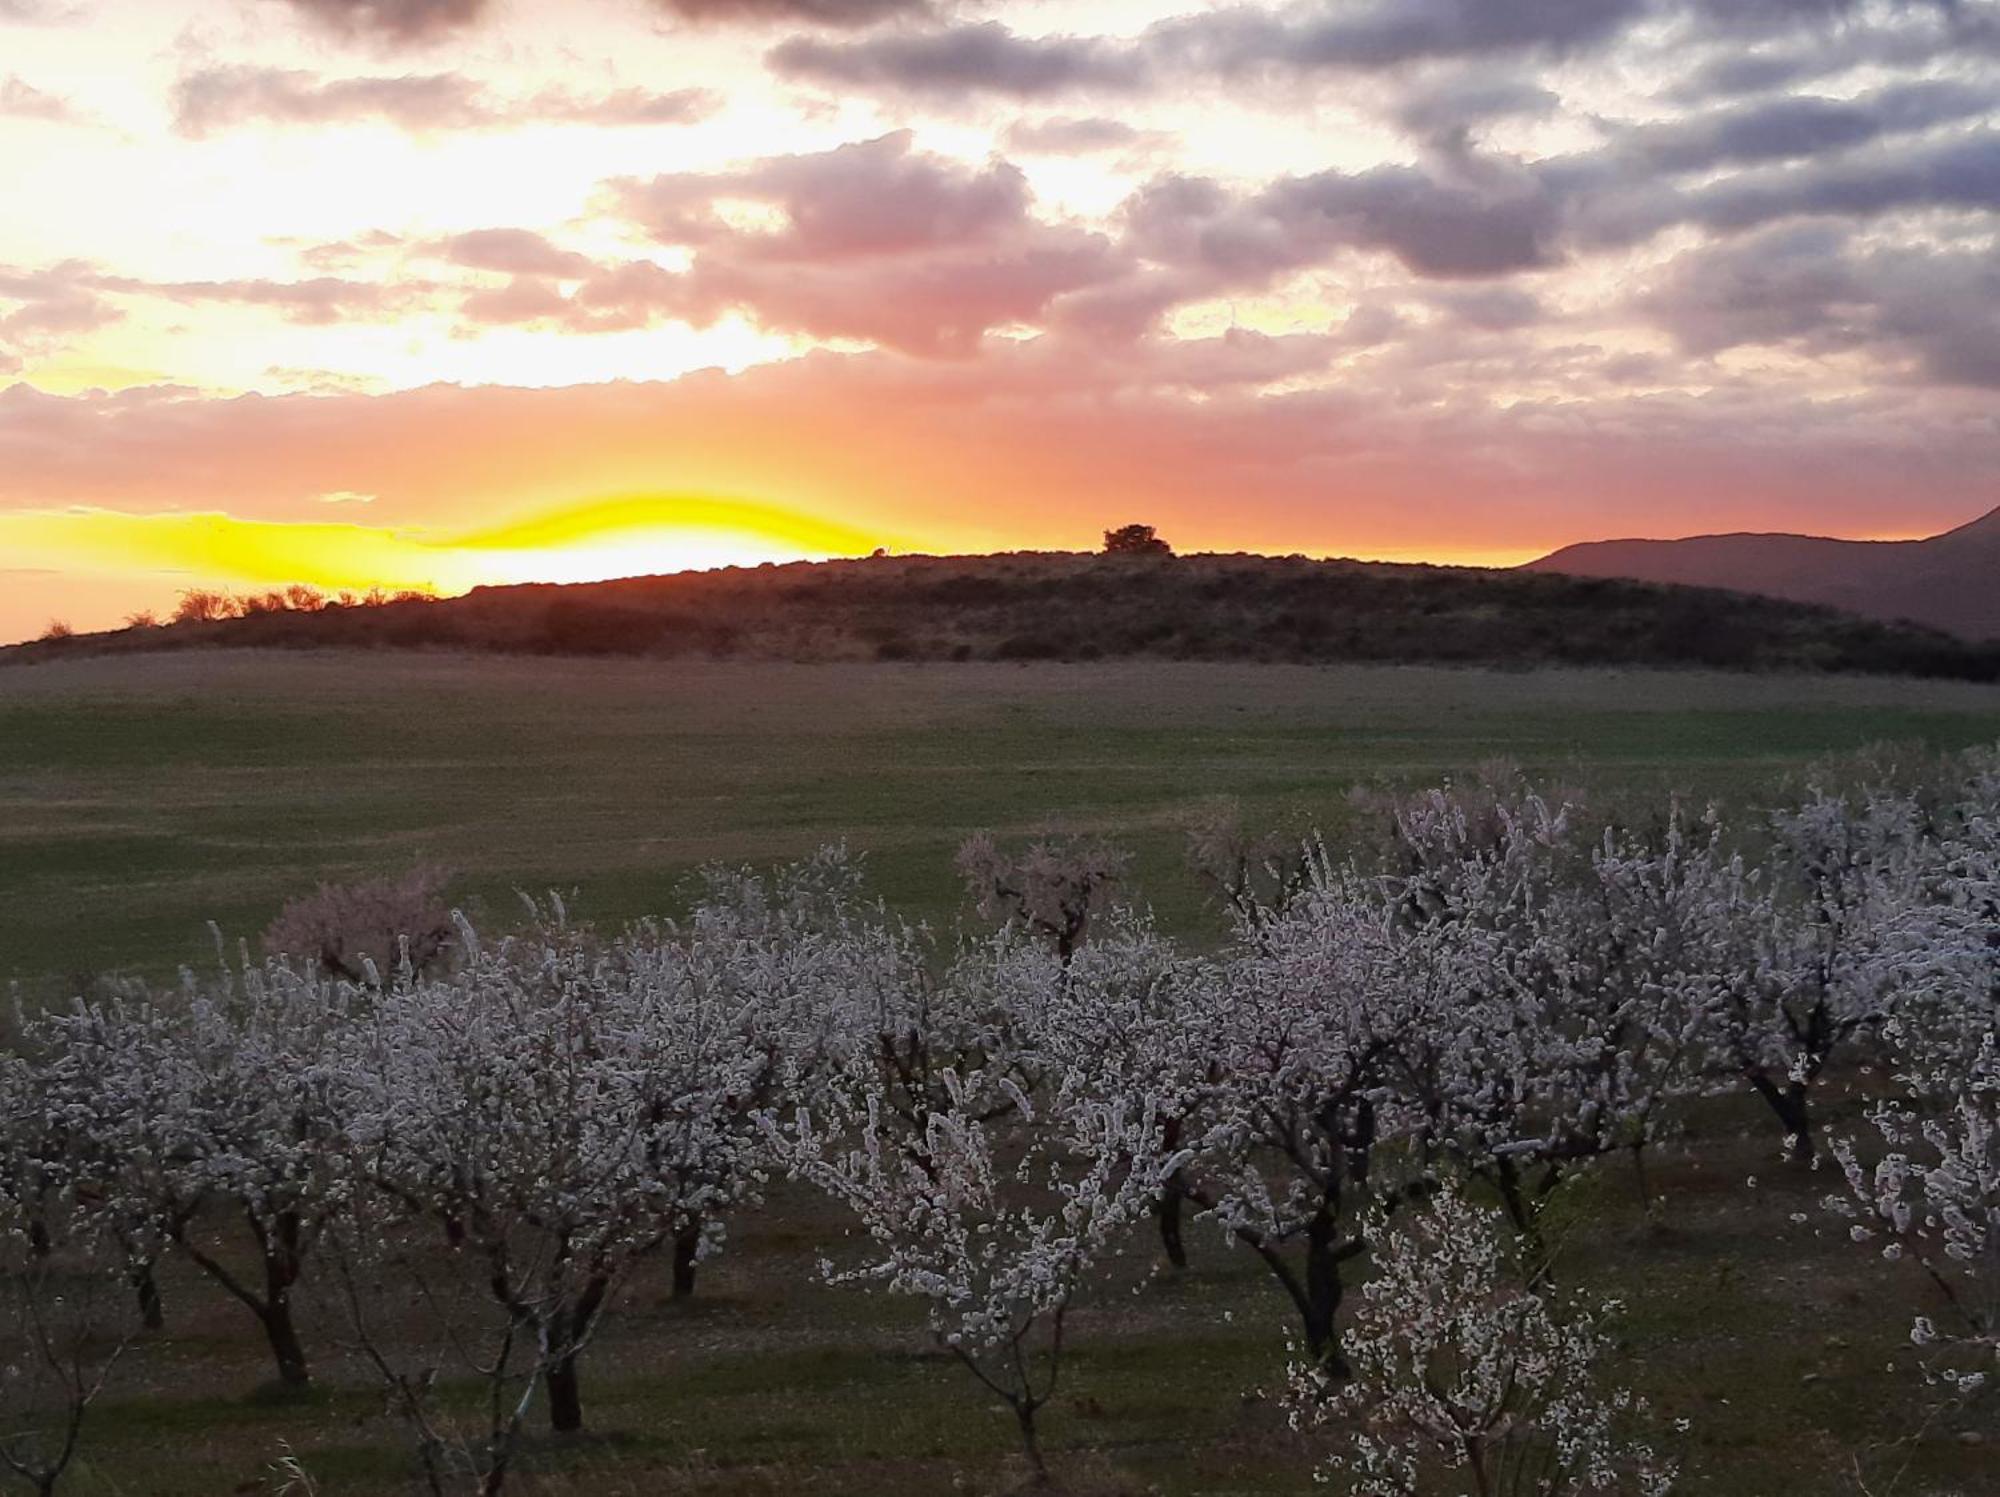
x,y
1321,1306
1167,1210
572,1326
687,1247
565,1396
1031,1444
283,1334
152,1315
1793,1107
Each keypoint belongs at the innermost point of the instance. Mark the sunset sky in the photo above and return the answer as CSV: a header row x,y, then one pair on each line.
x,y
442,292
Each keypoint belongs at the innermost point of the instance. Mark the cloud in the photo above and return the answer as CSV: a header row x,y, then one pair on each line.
x,y
981,58
1453,105
987,57
399,21
421,22
1491,309
874,240
21,100
1078,136
56,306
1804,126
1910,34
1962,172
511,252
832,13
36,12
50,308
1819,289
212,99
1435,228
1389,33
1465,213
315,302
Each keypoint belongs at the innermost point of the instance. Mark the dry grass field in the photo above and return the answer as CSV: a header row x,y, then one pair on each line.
x,y
140,796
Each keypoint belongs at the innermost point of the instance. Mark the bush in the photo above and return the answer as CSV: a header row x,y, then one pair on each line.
x,y
1135,540
347,928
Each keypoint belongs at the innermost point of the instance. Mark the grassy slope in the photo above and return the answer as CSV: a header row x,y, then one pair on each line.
x,y
138,796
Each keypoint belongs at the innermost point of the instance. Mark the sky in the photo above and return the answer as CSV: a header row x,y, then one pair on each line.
x,y
433,293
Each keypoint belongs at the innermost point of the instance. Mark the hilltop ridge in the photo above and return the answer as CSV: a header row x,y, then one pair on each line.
x,y
1072,606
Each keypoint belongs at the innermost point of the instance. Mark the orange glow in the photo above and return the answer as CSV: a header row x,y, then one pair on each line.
x,y
612,538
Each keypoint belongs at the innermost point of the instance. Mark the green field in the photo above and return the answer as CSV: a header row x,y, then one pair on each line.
x,y
140,797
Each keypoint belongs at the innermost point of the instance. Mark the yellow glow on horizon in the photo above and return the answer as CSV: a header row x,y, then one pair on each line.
x,y
1513,556
628,537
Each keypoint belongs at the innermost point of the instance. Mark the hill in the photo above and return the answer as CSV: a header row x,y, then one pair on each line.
x,y
1949,582
1059,606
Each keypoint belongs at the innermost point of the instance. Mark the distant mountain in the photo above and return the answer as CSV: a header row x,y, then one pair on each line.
x,y
1059,606
1949,582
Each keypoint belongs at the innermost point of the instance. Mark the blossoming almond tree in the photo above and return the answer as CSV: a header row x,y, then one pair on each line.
x,y
1053,887
1123,1021
1808,970
1584,998
1466,1381
991,1212
218,1107
1305,1128
563,1106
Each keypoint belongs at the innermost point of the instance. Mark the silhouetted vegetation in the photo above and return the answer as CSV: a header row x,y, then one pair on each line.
x,y
1135,540
1059,606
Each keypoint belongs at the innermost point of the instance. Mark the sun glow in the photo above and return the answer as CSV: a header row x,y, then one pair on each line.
x,y
624,537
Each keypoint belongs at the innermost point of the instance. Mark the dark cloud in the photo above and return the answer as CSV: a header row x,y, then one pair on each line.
x,y
831,13
1078,136
982,58
393,20
1435,228
1961,172
1389,33
1821,289
406,22
1912,35
1451,106
1736,16
870,198
219,98
1794,128
1491,309
1780,287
